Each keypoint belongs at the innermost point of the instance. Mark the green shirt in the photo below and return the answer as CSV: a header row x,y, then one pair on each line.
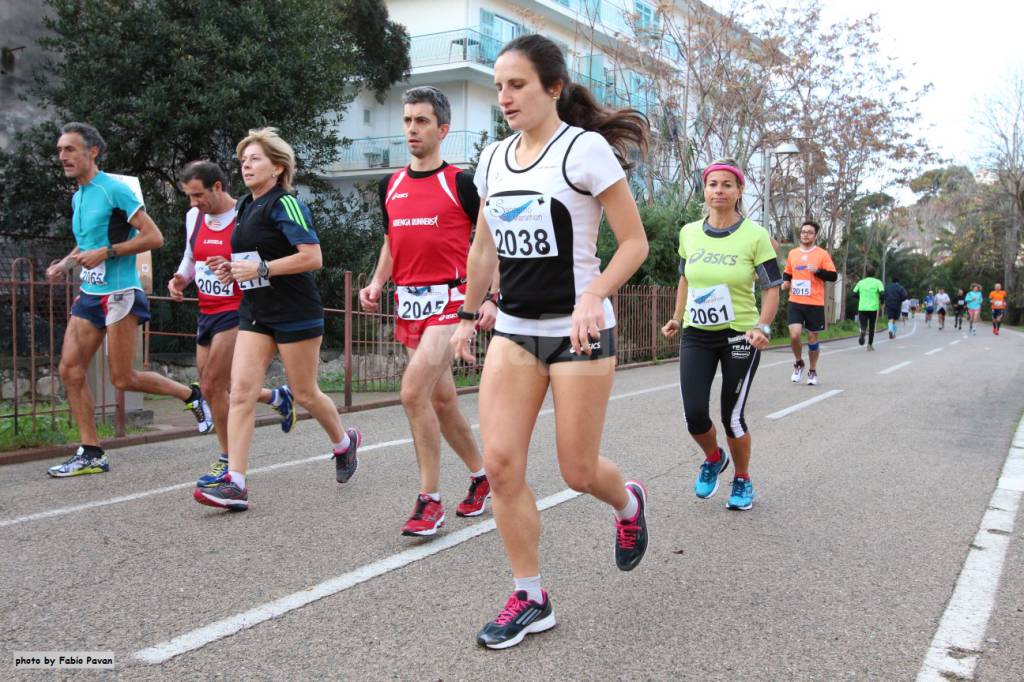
x,y
720,271
869,289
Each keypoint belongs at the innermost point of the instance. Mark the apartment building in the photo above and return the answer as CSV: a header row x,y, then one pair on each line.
x,y
454,44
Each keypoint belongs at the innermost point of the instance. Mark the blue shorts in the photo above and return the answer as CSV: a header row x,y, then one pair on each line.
x,y
210,325
103,310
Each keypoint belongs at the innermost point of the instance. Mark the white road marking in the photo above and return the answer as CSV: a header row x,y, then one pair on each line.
x,y
933,351
953,343
799,406
958,642
257,470
200,637
901,365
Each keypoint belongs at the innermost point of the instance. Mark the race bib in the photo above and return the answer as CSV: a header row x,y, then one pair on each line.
x,y
710,306
96,275
257,283
419,303
209,285
801,287
521,225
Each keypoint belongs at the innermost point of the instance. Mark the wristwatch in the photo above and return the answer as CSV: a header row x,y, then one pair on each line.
x,y
765,329
110,251
463,315
263,270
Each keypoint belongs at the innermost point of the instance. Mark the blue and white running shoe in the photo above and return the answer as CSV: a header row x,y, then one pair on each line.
x,y
742,497
706,484
286,409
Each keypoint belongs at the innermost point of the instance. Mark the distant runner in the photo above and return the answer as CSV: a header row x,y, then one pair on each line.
x,y
997,299
808,267
973,300
869,291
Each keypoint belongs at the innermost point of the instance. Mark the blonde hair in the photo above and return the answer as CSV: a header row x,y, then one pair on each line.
x,y
277,150
705,209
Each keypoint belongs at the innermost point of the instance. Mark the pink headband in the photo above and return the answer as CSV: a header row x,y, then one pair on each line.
x,y
722,167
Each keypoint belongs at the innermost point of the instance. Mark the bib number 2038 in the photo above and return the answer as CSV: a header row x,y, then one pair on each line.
x,y
523,243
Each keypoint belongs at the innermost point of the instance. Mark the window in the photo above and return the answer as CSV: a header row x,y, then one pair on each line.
x,y
497,30
644,15
497,122
367,117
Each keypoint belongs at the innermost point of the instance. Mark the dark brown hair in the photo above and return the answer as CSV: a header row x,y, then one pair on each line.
x,y
624,129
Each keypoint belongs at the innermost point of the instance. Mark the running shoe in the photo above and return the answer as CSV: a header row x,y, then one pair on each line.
x,y
742,496
80,464
218,470
200,409
225,494
427,517
286,409
812,377
476,498
860,339
518,619
631,534
798,372
707,476
871,347
346,463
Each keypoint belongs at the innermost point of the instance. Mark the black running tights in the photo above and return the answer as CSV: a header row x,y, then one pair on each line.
x,y
700,353
867,323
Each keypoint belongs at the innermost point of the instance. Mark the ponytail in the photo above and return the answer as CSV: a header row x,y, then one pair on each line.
x,y
623,129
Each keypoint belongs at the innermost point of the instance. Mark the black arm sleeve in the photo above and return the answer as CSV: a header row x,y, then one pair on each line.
x,y
786,277
382,191
682,267
468,197
768,273
827,275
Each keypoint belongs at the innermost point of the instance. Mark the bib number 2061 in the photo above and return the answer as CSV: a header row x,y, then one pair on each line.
x,y
706,316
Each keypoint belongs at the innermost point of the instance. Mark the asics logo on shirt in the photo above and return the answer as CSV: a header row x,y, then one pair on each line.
x,y
404,195
712,258
413,222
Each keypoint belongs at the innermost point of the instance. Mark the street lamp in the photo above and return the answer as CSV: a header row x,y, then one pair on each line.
x,y
784,149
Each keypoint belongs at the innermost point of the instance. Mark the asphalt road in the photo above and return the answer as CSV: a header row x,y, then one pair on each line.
x,y
869,501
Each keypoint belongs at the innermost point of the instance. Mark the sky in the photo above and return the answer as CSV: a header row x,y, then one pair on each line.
x,y
965,51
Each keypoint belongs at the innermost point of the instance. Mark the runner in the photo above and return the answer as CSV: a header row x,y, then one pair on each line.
x,y
997,299
274,252
110,227
895,296
914,305
973,300
941,305
427,260
720,258
543,191
869,291
808,267
208,227
904,311
959,307
929,307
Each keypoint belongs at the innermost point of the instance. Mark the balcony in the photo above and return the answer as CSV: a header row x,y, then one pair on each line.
x,y
453,47
390,153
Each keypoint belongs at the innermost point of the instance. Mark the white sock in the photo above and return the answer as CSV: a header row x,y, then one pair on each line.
x,y
631,508
532,588
238,479
436,497
478,474
343,445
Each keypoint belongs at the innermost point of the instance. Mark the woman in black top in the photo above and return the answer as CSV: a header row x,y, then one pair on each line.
x,y
274,252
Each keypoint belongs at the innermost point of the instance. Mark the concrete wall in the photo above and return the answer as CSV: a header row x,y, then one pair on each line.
x,y
21,26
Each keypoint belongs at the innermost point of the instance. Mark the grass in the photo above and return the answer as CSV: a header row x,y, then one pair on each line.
x,y
38,431
334,382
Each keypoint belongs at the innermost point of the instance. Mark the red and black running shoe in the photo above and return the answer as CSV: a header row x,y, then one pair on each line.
x,y
476,498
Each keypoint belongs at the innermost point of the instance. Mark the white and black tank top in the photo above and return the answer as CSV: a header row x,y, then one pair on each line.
x,y
544,219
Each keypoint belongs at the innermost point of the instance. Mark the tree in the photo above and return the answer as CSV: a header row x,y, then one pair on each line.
x,y
170,81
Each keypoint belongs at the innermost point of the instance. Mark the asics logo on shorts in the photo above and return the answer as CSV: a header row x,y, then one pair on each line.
x,y
712,258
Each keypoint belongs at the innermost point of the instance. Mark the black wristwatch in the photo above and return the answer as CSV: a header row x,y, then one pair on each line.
x,y
463,315
263,270
493,298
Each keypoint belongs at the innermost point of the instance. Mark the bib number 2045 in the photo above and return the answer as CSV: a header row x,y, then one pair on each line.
x,y
523,243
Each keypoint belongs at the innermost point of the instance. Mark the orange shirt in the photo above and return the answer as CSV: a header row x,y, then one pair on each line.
x,y
797,263
997,299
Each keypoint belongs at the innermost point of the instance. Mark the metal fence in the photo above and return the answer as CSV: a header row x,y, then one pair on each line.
x,y
371,359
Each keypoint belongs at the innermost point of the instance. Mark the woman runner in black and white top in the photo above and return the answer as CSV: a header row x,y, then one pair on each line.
x,y
542,193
